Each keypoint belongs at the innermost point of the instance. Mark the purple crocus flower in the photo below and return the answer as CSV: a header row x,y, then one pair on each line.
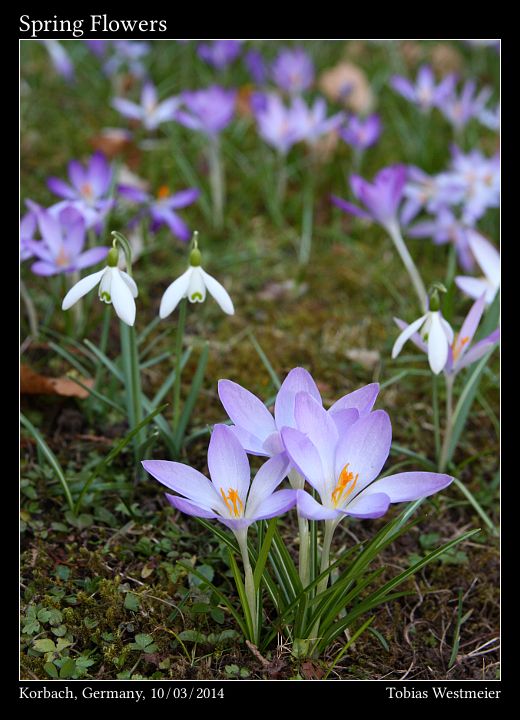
x,y
162,209
461,354
259,432
480,178
431,192
488,259
490,117
362,133
97,47
219,53
129,54
60,59
150,113
87,189
459,110
293,70
342,467
209,110
446,228
380,198
277,124
28,225
256,67
425,93
61,248
311,122
230,497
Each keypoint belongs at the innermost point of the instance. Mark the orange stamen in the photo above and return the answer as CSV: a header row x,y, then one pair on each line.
x,y
163,192
458,345
347,482
86,191
233,502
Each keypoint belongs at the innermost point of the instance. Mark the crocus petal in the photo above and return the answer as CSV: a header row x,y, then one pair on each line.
x,y
407,486
406,335
184,480
368,506
189,508
99,173
90,257
266,481
174,294
350,208
365,448
470,325
276,504
124,303
130,282
313,420
177,226
344,419
437,344
475,287
362,400
77,174
245,409
127,108
305,457
81,288
297,380
219,293
309,508
45,268
50,230
133,193
227,462
61,188
478,350
486,255
183,198
404,87
250,443
166,110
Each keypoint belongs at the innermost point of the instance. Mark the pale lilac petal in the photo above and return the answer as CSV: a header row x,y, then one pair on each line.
x,y
183,198
365,448
51,231
127,108
344,419
305,457
250,443
245,409
189,508
297,380
266,481
90,257
184,480
486,255
313,420
166,110
74,231
133,193
219,293
276,504
77,174
122,299
406,335
81,288
404,487
350,208
174,294
311,509
362,400
177,226
475,287
40,267
99,173
404,87
61,188
227,462
479,350
470,325
368,506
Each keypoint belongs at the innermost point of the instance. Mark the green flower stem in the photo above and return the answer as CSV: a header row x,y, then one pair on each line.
x,y
400,245
178,352
307,219
444,459
103,342
216,177
330,526
297,482
132,375
249,580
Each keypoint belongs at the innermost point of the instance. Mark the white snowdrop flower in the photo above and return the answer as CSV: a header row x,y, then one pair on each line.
x,y
193,285
438,334
115,287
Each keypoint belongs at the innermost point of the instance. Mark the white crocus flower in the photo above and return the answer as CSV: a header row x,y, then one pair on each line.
x,y
193,285
438,333
488,258
115,286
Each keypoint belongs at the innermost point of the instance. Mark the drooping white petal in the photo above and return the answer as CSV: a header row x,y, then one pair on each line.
x,y
81,288
124,303
197,287
448,330
174,294
486,255
219,292
130,282
105,287
437,344
406,335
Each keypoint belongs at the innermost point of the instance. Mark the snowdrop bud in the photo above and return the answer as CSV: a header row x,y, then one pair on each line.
x,y
195,258
113,257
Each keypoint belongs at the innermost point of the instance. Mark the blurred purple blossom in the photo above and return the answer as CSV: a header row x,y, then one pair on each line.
x,y
219,53
460,109
60,59
151,113
424,93
361,133
446,228
209,110
256,66
293,70
127,54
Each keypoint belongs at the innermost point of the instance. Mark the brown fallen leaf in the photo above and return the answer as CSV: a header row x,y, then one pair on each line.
x,y
347,83
32,383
